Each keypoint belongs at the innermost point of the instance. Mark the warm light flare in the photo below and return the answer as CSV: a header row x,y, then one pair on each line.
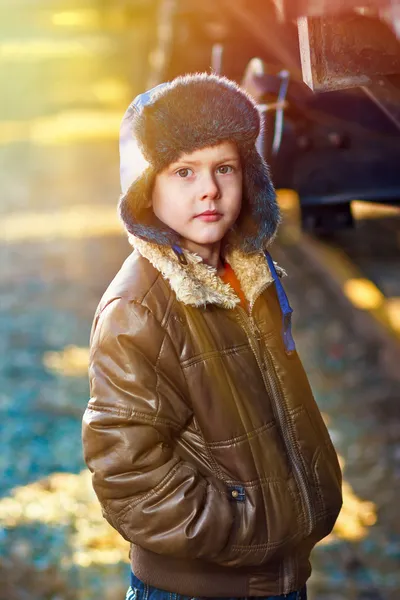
x,y
71,362
363,294
371,210
53,49
289,203
393,312
76,18
288,200
67,499
75,222
355,517
73,126
69,127
112,91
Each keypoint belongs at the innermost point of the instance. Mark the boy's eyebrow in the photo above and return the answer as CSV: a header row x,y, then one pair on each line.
x,y
198,162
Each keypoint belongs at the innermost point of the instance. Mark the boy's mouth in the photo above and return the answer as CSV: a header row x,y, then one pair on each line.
x,y
209,215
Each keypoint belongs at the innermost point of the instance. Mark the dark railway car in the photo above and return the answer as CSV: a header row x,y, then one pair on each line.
x,y
327,79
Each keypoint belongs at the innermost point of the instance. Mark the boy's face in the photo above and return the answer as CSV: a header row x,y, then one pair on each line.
x,y
209,179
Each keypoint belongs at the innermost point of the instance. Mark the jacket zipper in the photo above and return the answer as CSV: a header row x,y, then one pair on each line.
x,y
273,388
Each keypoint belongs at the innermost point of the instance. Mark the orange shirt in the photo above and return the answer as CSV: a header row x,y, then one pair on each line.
x,y
230,277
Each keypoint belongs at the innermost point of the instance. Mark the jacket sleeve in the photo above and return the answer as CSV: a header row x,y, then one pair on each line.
x,y
138,405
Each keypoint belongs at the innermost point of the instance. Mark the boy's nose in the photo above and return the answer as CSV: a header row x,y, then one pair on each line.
x,y
209,188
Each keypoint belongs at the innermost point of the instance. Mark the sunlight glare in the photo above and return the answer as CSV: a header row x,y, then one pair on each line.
x,y
70,362
363,294
74,222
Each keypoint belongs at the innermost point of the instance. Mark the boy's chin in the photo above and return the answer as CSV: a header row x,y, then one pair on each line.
x,y
205,240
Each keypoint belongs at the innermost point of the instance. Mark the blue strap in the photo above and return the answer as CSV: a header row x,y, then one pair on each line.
x,y
286,309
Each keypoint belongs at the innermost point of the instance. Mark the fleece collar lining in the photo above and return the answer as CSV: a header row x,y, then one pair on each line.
x,y
197,284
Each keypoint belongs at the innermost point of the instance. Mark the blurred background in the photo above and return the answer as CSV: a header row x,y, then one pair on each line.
x,y
327,83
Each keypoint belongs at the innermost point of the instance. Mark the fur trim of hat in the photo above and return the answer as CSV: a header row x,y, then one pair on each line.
x,y
190,113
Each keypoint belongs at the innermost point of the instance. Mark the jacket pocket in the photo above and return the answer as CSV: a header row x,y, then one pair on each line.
x,y
319,460
318,424
328,485
284,519
268,520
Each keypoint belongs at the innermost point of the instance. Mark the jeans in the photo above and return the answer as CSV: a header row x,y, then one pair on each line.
x,y
142,591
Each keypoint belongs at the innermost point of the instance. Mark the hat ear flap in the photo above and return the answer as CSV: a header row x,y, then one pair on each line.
x,y
260,217
138,217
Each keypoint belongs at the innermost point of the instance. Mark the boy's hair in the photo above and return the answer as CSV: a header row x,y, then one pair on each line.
x,y
190,113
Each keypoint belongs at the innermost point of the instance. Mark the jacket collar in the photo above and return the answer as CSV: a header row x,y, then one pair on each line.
x,y
197,284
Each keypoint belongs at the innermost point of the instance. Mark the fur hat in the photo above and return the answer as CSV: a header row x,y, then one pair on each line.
x,y
187,114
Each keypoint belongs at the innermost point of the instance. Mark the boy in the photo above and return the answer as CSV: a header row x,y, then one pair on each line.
x,y
207,449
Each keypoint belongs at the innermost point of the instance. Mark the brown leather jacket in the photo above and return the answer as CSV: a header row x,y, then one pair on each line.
x,y
208,451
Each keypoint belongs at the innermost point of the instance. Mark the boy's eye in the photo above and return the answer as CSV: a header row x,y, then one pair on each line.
x,y
184,173
225,169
